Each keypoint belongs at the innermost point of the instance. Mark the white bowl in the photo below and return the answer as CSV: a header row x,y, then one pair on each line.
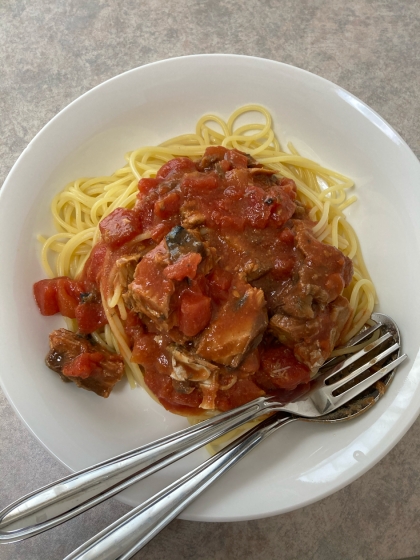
x,y
304,462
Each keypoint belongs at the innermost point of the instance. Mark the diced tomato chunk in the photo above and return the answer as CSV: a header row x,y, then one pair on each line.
x,y
280,369
90,317
219,282
133,326
61,295
194,312
184,267
162,387
236,158
243,391
257,213
290,186
167,206
286,236
251,362
145,206
196,183
147,352
45,293
67,296
237,181
144,349
120,226
236,223
148,184
95,262
283,268
221,278
225,165
176,168
284,206
84,365
216,152
159,231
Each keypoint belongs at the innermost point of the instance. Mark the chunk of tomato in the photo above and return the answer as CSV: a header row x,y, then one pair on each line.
x,y
95,262
283,267
120,226
167,206
61,295
148,184
162,387
45,293
219,281
133,326
90,317
67,296
243,391
280,369
194,312
255,210
199,183
237,181
237,159
175,168
159,231
148,353
184,267
144,350
289,186
84,365
216,152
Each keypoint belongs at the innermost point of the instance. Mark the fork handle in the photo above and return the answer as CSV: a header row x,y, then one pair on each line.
x,y
126,536
64,499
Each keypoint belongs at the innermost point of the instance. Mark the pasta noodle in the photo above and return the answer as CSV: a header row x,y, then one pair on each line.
x,y
78,209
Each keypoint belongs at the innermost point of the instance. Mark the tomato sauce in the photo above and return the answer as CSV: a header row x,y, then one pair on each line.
x,y
229,298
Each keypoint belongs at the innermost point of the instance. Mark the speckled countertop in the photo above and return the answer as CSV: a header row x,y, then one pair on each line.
x,y
53,51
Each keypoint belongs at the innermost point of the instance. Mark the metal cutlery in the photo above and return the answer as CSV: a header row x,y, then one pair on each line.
x,y
333,388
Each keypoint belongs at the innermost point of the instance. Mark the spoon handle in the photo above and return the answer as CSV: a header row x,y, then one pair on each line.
x,y
65,498
123,538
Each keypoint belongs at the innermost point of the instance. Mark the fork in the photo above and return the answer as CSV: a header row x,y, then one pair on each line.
x,y
126,536
61,500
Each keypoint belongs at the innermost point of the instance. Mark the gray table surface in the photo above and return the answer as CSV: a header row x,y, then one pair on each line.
x,y
53,51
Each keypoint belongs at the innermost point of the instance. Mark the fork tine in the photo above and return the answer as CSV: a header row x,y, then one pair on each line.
x,y
363,367
354,357
366,383
357,338
365,334
354,341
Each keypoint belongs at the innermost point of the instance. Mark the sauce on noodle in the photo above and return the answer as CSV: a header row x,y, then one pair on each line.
x,y
221,289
